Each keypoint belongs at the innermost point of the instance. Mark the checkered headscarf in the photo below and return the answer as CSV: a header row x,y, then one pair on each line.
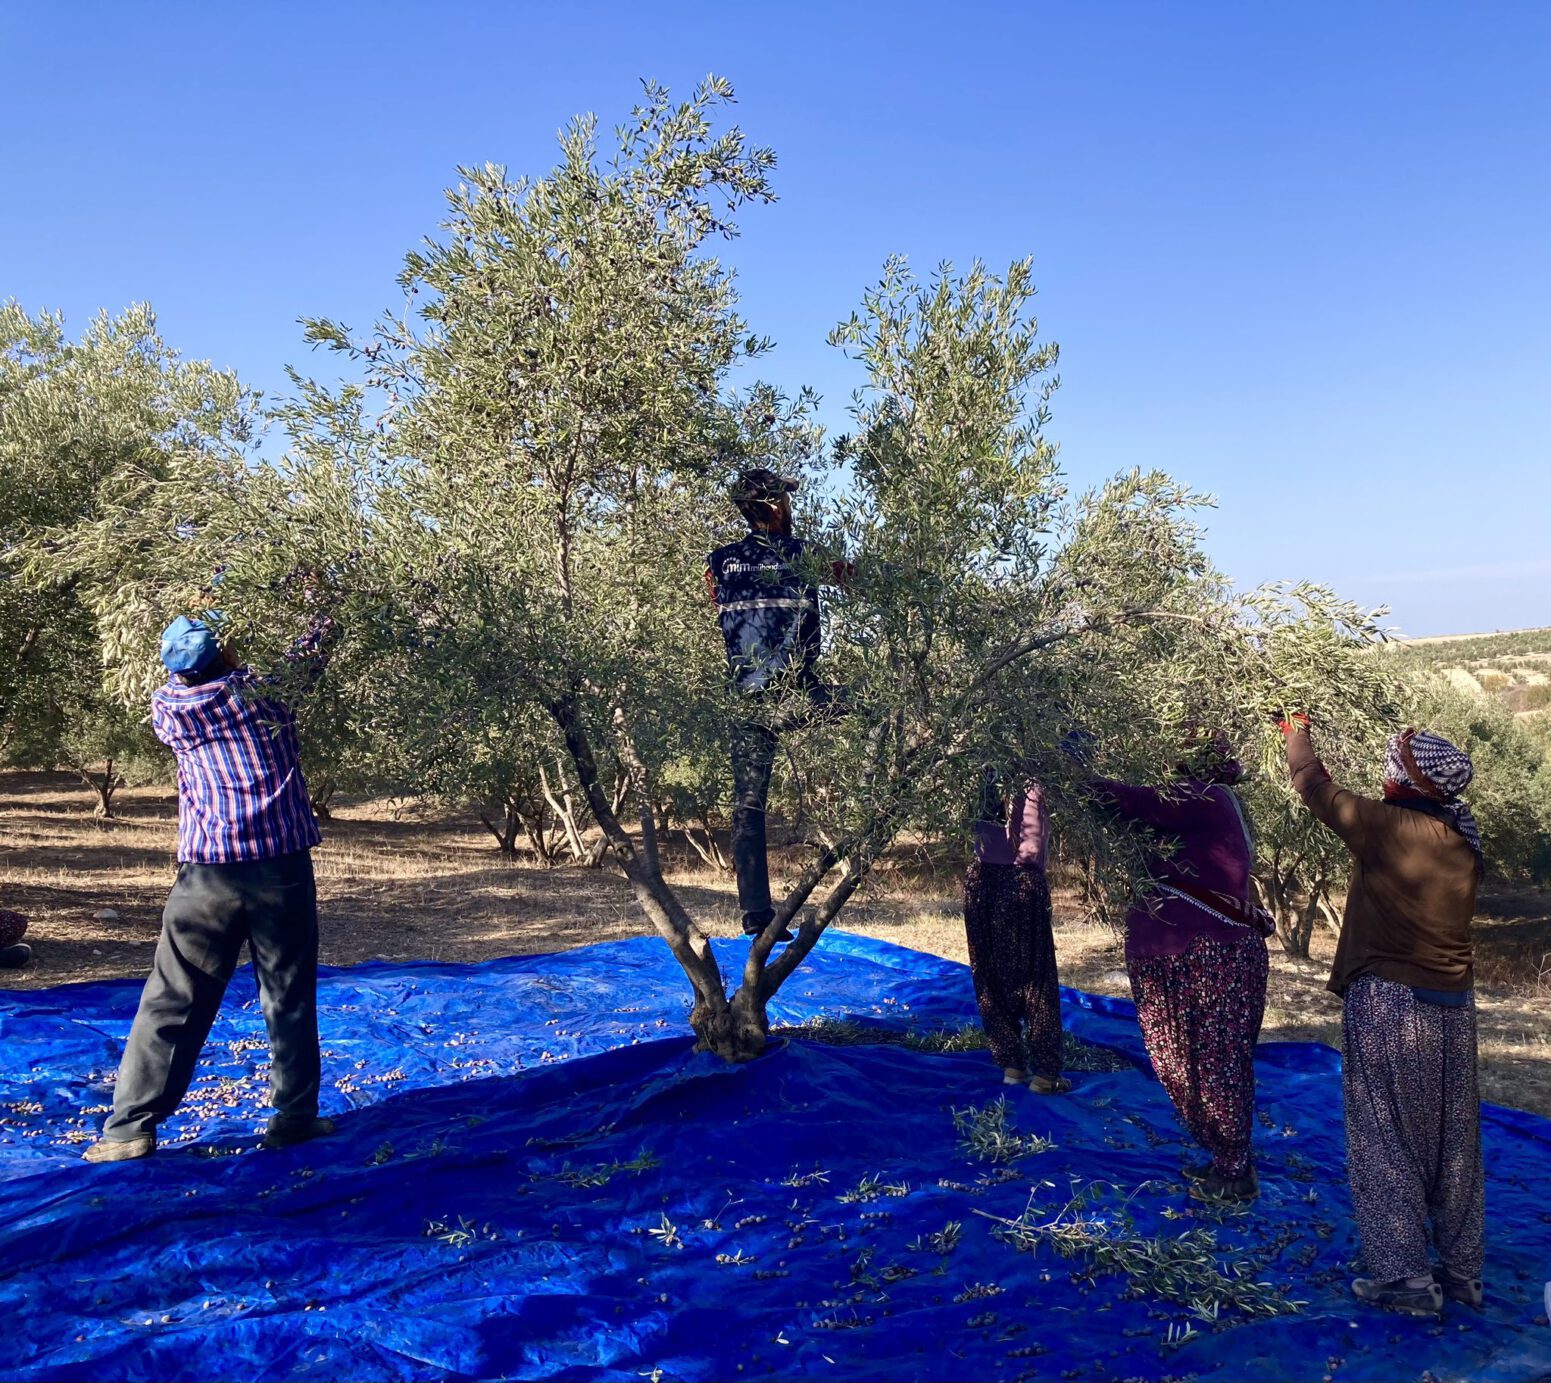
x,y
1448,771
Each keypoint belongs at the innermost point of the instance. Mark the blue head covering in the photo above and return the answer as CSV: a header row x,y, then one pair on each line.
x,y
189,645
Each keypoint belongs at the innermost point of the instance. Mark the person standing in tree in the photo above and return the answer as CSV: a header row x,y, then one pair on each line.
x,y
1196,954
768,608
246,830
1404,971
1012,952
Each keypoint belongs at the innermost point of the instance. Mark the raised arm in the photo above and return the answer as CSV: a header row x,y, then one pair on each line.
x,y
1159,808
163,725
1346,813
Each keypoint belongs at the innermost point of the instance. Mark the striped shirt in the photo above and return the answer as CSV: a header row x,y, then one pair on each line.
x,y
241,793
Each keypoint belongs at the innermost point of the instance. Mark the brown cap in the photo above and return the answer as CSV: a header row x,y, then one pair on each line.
x,y
760,486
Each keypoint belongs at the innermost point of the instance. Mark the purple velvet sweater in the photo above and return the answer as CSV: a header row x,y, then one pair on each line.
x,y
1021,839
1211,849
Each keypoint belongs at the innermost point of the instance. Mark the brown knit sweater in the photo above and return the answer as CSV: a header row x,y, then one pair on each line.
x,y
1413,890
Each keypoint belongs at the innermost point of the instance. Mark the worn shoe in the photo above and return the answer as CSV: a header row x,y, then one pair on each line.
x,y
754,933
14,957
1216,1189
1014,1075
1049,1085
1400,1296
1465,1290
1195,1171
287,1133
120,1149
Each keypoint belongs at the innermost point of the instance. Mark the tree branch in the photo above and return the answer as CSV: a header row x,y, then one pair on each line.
x,y
690,946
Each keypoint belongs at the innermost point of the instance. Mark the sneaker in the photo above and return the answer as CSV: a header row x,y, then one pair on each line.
x,y
1465,1290
284,1132
1050,1085
120,1149
1216,1189
1400,1296
1014,1075
14,957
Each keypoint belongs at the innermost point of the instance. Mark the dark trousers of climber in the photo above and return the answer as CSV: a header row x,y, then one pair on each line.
x,y
753,758
212,910
754,745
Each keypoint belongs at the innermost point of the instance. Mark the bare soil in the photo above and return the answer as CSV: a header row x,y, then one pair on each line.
x,y
401,882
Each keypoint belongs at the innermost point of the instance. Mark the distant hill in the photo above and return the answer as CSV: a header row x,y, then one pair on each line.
x,y
1513,666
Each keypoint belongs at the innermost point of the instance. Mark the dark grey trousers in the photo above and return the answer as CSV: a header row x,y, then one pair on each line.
x,y
212,910
753,758
754,747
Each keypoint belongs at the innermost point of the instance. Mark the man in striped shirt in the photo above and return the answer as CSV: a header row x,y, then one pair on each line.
x,y
245,832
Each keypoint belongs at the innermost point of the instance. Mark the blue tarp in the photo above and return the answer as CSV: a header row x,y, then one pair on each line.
x,y
535,1177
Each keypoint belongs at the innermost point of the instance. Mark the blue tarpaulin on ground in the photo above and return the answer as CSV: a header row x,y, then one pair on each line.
x,y
535,1177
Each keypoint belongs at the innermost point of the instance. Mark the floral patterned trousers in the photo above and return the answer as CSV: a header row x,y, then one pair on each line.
x,y
1413,1129
1012,959
1200,1015
13,927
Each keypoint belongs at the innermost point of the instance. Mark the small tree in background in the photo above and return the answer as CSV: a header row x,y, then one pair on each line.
x,y
1511,793
94,736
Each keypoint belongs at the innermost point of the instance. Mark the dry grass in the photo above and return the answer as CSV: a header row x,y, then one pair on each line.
x,y
420,885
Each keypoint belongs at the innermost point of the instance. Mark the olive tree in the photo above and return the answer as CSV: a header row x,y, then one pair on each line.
x,y
512,503
1301,867
76,419
1511,792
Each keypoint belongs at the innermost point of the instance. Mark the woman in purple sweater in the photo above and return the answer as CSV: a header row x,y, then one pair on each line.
x,y
1196,954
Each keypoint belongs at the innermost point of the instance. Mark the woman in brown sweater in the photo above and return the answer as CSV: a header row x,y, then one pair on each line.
x,y
1403,971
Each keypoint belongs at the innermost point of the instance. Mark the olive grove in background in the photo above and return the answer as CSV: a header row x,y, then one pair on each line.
x,y
506,505
78,420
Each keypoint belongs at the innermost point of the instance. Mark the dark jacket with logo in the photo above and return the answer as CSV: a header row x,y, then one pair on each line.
x,y
768,610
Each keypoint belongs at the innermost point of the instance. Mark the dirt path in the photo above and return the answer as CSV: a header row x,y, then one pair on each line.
x,y
420,885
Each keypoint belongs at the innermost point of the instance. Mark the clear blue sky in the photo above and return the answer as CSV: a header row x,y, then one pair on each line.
x,y
1300,255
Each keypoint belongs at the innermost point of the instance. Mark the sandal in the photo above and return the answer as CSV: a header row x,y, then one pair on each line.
x,y
1400,1296
1050,1085
1216,1189
1465,1290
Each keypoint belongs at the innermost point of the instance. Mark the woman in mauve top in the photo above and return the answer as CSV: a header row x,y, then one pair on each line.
x,y
1012,954
1196,955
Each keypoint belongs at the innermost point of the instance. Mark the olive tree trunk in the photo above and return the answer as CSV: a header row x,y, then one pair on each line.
x,y
103,785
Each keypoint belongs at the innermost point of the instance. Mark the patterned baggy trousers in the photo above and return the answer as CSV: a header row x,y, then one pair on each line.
x,y
1012,959
1200,1015
1413,1130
